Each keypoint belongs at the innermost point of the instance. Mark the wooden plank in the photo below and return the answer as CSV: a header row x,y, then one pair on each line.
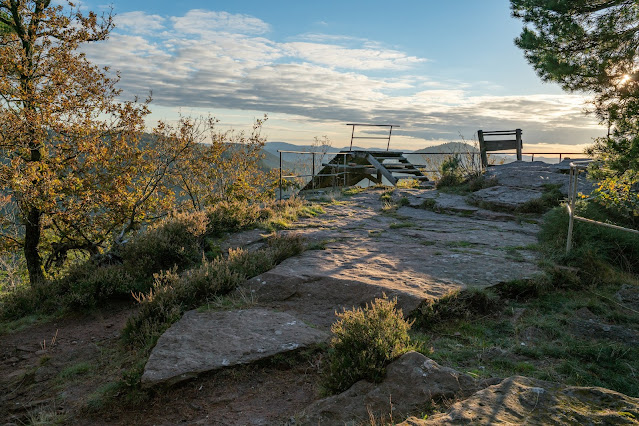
x,y
500,132
387,174
500,145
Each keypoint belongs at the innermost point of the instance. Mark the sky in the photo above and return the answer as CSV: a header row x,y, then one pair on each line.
x,y
440,70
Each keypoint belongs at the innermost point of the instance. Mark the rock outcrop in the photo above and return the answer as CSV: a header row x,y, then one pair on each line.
x,y
411,382
521,400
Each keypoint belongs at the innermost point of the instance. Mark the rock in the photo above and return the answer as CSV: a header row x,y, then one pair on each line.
x,y
410,383
205,341
521,400
535,175
505,197
628,295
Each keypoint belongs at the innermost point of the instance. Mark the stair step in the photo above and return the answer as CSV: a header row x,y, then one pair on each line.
x,y
413,177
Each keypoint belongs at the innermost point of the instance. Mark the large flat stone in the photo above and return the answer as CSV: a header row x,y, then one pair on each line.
x,y
505,197
206,341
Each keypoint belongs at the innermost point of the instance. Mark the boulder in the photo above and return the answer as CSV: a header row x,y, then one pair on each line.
x,y
411,382
206,341
521,400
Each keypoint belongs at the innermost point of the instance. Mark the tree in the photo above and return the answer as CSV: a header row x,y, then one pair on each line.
x,y
63,132
77,171
593,46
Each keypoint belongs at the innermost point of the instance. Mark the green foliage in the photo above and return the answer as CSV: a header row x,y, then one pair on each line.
x,y
173,293
592,47
176,243
450,172
364,341
551,197
593,245
455,305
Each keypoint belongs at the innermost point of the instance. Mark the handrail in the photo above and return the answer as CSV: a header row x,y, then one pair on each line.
x,y
575,168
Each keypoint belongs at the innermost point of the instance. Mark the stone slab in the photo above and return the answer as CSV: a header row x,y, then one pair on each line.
x,y
206,341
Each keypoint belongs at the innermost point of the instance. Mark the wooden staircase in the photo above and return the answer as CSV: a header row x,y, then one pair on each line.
x,y
351,167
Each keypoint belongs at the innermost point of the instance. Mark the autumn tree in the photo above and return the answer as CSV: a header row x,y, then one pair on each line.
x,y
77,171
592,46
64,136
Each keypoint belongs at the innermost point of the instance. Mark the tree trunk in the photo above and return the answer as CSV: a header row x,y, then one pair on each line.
x,y
31,242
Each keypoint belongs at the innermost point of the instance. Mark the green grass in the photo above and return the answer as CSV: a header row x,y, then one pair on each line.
x,y
76,370
178,241
353,190
531,328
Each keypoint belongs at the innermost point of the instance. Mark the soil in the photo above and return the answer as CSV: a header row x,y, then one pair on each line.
x,y
36,382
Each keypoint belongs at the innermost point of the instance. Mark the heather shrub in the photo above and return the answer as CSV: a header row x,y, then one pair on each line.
x,y
173,293
364,341
175,241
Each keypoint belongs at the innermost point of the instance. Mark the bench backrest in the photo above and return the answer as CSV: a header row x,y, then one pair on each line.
x,y
507,139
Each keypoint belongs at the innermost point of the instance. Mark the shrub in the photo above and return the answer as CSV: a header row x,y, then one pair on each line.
x,y
172,294
455,305
175,241
364,342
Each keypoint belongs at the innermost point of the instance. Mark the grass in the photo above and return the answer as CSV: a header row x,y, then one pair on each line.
x,y
489,335
76,370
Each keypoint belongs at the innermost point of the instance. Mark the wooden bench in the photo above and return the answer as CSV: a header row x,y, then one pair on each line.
x,y
503,143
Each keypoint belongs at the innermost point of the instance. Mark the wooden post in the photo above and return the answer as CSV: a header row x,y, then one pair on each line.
x,y
519,144
280,176
313,174
482,148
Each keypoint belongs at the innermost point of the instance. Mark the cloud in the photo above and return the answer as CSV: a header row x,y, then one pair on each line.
x,y
354,59
140,22
217,60
202,22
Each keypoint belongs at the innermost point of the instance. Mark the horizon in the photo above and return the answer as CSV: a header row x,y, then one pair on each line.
x,y
315,67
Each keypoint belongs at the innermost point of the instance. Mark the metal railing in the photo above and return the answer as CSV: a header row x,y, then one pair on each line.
x,y
312,175
313,154
575,168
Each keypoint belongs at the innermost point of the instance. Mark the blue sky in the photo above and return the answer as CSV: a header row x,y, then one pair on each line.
x,y
438,69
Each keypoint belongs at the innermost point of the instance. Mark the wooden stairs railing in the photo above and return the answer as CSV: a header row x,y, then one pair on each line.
x,y
355,166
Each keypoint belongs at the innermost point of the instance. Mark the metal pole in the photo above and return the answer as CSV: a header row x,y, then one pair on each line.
x,y
352,134
313,174
572,188
390,132
280,176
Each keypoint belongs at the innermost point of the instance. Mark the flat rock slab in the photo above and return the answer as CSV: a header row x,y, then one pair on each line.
x,y
520,400
412,254
506,197
206,341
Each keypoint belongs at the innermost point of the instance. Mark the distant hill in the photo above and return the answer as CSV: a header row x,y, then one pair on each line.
x,y
449,147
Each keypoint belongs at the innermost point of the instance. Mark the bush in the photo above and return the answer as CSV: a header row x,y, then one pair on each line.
x,y
456,305
172,294
364,342
175,241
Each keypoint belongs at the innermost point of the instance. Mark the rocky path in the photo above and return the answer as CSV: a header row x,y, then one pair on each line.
x,y
411,253
366,246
